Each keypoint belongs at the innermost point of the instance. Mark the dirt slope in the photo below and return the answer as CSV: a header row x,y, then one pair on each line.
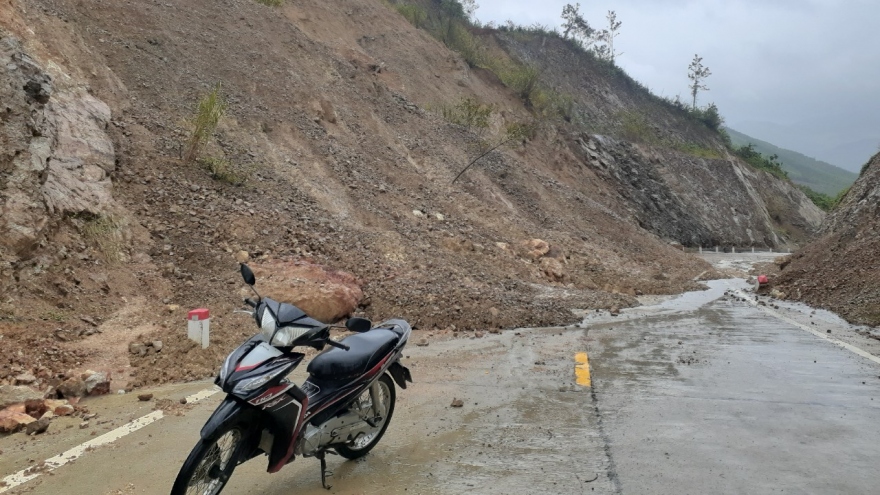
x,y
346,168
840,271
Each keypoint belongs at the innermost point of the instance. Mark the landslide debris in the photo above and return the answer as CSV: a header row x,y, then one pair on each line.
x,y
840,270
346,171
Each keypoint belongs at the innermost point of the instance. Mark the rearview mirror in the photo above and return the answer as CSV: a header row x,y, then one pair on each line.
x,y
359,325
248,275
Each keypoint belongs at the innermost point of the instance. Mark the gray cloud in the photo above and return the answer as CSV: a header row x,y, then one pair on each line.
x,y
810,69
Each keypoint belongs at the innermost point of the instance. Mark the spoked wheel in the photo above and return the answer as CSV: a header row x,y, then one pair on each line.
x,y
364,443
210,464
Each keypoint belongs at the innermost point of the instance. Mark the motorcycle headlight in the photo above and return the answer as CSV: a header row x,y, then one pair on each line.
x,y
224,370
245,386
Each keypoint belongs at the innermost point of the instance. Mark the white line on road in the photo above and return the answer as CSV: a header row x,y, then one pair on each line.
x,y
849,347
25,475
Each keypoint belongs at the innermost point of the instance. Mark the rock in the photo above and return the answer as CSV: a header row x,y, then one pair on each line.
x,y
324,294
418,213
457,403
478,335
145,397
137,348
493,312
97,383
777,294
439,216
553,269
13,421
183,400
172,307
157,344
35,408
242,256
37,427
422,343
64,410
83,425
536,248
72,387
25,379
615,310
10,394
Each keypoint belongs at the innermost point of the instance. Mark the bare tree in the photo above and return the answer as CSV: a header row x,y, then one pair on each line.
x,y
697,73
607,36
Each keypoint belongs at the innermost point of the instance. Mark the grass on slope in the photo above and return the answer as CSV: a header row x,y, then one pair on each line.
x,y
817,175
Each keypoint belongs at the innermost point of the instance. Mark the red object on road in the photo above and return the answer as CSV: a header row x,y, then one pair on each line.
x,y
762,279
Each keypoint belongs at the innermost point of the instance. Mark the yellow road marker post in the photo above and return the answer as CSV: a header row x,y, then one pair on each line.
x,y
582,369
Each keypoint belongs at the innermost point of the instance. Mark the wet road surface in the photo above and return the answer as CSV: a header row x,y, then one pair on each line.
x,y
700,394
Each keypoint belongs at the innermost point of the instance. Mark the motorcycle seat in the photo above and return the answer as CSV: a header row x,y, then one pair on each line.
x,y
367,350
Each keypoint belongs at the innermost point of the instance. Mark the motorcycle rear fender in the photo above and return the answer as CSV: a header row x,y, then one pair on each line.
x,y
400,373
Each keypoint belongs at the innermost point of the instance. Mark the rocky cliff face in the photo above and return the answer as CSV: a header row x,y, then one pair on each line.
x,y
676,177
55,156
699,201
841,270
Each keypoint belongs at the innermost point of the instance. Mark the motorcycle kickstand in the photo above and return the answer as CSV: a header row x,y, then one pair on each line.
x,y
324,473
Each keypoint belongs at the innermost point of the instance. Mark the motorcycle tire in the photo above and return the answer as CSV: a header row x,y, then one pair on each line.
x,y
210,464
354,450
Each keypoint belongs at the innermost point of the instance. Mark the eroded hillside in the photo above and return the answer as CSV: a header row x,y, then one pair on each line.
x,y
108,236
840,271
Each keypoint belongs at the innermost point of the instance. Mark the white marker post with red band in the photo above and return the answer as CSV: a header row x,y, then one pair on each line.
x,y
198,324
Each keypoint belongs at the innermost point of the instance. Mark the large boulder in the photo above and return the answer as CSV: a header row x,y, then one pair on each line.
x,y
10,394
324,294
13,420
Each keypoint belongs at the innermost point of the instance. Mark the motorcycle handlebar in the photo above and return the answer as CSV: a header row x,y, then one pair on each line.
x,y
339,345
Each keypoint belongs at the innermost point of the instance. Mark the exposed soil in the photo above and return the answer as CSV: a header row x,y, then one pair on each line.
x,y
840,271
345,169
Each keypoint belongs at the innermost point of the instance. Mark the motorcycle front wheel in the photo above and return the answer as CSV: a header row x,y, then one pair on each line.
x,y
210,464
364,443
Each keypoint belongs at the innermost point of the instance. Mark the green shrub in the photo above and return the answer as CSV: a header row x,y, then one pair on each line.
x,y
468,113
272,3
107,233
414,14
823,201
635,127
222,170
211,109
754,158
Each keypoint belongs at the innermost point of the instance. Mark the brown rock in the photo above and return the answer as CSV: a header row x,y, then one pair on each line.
x,y
35,408
553,269
457,403
13,421
324,294
615,311
536,248
145,397
64,410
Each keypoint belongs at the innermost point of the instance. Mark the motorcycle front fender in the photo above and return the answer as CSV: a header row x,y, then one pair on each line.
x,y
229,411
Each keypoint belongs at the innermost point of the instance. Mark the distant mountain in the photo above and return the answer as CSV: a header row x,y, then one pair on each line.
x,y
815,174
841,145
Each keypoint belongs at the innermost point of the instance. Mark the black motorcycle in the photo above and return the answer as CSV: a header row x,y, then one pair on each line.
x,y
344,406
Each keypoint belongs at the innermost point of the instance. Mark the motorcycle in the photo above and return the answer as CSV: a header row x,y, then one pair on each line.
x,y
343,408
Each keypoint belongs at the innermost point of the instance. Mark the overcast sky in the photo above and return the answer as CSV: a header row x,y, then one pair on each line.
x,y
802,74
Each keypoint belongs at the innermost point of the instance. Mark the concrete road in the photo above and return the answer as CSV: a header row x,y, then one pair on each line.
x,y
704,393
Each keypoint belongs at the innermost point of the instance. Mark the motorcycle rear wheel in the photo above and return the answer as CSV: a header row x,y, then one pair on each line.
x,y
210,464
359,447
